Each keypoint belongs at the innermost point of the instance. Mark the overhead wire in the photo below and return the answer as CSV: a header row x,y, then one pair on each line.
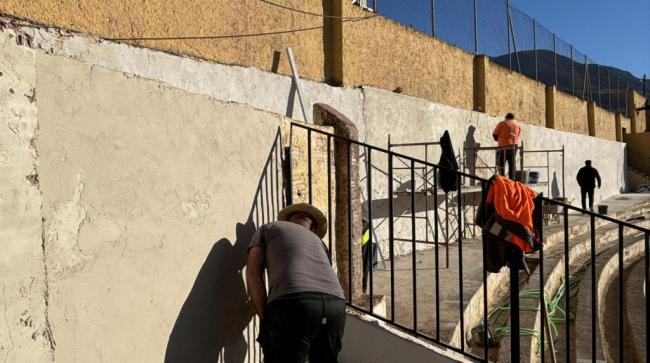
x,y
285,7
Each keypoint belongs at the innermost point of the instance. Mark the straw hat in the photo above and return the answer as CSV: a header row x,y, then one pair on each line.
x,y
319,218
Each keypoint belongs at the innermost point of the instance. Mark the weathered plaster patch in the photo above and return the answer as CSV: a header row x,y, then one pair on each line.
x,y
61,232
196,207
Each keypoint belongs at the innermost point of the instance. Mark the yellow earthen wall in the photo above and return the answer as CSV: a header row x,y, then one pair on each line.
x,y
625,124
509,91
641,116
639,142
177,18
605,123
382,53
570,114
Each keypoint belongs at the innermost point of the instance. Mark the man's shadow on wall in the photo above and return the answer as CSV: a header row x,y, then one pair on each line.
x,y
217,311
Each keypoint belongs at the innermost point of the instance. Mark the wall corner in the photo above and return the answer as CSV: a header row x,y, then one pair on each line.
x,y
591,118
481,63
619,127
550,106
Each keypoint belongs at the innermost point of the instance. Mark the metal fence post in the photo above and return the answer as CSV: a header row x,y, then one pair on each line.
x,y
433,18
573,83
475,29
555,58
535,46
508,31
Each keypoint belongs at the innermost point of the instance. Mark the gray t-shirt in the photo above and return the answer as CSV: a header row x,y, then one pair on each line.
x,y
296,260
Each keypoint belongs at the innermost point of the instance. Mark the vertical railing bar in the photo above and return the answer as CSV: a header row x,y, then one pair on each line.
x,y
370,230
621,301
309,165
594,302
262,207
647,292
273,210
459,221
567,310
278,165
486,322
447,239
349,172
329,196
435,235
391,252
542,294
413,259
269,199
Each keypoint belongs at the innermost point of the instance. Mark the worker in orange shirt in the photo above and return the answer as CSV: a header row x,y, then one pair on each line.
x,y
507,135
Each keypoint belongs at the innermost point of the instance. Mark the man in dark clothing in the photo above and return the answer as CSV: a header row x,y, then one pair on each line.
x,y
587,177
305,314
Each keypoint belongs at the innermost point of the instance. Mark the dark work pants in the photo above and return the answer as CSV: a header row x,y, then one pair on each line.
x,y
583,193
303,325
509,155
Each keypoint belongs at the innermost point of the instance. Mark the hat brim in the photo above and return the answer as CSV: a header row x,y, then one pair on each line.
x,y
319,218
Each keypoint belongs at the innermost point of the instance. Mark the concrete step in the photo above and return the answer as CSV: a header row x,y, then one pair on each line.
x,y
621,207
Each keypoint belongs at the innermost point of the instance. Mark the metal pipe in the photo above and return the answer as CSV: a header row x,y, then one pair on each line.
x,y
309,165
435,235
329,196
555,58
370,230
475,29
594,296
415,285
349,155
542,293
459,221
486,322
567,282
647,293
573,84
391,252
433,18
535,46
508,31
621,300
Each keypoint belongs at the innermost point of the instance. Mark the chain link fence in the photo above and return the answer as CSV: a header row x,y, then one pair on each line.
x,y
516,41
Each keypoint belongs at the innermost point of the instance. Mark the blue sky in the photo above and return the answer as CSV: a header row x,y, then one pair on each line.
x,y
611,32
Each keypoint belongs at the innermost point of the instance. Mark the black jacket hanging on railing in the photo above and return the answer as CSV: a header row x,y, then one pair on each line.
x,y
499,233
447,175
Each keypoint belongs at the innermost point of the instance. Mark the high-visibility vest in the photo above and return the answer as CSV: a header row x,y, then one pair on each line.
x,y
365,237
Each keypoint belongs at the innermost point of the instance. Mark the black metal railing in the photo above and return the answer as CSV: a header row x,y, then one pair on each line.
x,y
426,311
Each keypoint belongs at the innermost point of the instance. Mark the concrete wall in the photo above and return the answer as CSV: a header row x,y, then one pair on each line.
x,y
149,197
409,119
509,91
26,329
134,18
382,53
570,113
